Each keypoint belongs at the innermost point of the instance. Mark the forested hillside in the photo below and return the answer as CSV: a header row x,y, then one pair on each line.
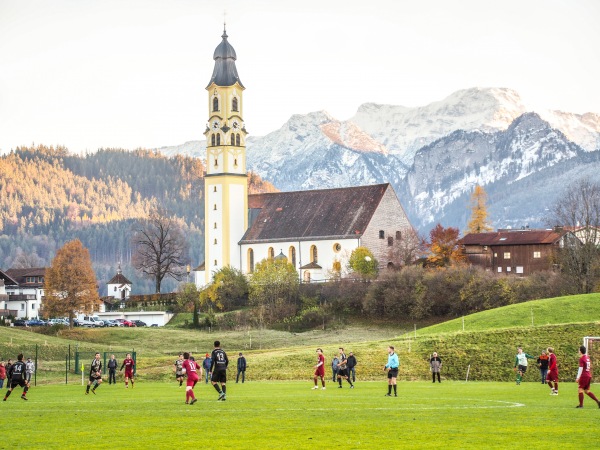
x,y
49,196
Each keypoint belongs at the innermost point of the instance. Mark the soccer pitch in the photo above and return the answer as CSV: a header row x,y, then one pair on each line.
x,y
262,415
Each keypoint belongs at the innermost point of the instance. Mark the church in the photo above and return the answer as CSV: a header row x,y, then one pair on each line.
x,y
316,230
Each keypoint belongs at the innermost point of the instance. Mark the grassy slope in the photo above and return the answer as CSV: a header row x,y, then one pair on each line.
x,y
276,355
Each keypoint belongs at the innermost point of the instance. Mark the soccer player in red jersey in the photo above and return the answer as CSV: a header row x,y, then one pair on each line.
x,y
129,364
190,367
320,369
552,376
584,377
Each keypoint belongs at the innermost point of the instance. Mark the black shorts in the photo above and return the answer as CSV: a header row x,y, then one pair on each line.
x,y
219,376
342,373
15,383
178,375
95,378
393,373
522,368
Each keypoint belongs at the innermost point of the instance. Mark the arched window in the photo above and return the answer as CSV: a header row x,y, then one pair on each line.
x,y
398,235
307,276
215,189
218,139
381,234
237,140
234,104
337,267
215,104
212,140
250,260
232,139
215,208
270,253
313,254
292,256
216,263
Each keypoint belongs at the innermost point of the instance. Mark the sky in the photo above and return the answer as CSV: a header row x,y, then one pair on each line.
x,y
91,74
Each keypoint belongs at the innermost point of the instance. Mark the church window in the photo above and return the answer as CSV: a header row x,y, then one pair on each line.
x,y
215,207
314,254
250,260
115,289
212,140
215,242
271,253
398,235
216,263
235,162
381,234
390,266
218,139
337,247
232,139
216,163
390,241
215,189
215,225
215,104
237,140
337,266
307,276
234,104
292,256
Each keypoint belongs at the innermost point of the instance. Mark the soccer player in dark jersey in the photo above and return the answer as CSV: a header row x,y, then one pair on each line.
x,y
320,369
129,364
552,375
218,367
95,375
16,377
584,377
343,369
190,367
179,369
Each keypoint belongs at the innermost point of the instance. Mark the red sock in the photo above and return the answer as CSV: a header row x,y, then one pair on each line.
x,y
592,396
192,396
581,399
556,386
187,396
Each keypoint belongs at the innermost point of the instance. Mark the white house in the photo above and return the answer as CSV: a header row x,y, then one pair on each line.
x,y
25,290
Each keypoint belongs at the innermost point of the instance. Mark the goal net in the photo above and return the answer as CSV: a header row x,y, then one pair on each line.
x,y
592,344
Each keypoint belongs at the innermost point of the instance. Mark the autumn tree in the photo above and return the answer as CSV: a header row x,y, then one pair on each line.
x,y
363,263
443,246
160,248
479,215
578,209
228,290
273,287
70,284
189,298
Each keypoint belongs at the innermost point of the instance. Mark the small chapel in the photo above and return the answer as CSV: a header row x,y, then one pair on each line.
x,y
315,230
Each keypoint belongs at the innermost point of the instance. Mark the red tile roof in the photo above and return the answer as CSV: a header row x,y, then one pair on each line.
x,y
512,237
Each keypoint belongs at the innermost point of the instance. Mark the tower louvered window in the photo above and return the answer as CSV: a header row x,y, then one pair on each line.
x,y
234,104
237,140
215,104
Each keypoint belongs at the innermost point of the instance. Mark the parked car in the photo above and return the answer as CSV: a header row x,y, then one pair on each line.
x,y
20,323
58,322
126,323
112,323
139,323
154,325
91,322
36,323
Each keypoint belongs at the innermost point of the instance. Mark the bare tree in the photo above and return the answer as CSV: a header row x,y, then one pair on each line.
x,y
407,248
578,210
160,248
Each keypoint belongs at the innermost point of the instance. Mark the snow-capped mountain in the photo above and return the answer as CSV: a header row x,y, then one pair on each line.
x,y
434,155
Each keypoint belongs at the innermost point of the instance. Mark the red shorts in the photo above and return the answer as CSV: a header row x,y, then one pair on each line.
x,y
128,374
552,376
584,383
320,371
191,381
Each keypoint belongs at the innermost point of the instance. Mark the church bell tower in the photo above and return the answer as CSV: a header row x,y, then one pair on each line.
x,y
225,182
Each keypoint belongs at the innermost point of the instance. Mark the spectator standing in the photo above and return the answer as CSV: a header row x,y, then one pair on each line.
x,y
206,364
2,373
436,366
542,362
112,370
29,369
334,366
241,368
7,367
351,364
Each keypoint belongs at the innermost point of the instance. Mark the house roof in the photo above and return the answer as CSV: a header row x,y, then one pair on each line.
x,y
512,237
311,265
7,279
19,275
119,278
320,214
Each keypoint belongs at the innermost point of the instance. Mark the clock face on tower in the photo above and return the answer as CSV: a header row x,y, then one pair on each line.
x,y
235,125
216,124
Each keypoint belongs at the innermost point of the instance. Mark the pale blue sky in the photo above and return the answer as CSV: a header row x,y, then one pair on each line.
x,y
90,74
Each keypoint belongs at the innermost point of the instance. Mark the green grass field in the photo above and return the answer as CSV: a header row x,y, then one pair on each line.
x,y
273,415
